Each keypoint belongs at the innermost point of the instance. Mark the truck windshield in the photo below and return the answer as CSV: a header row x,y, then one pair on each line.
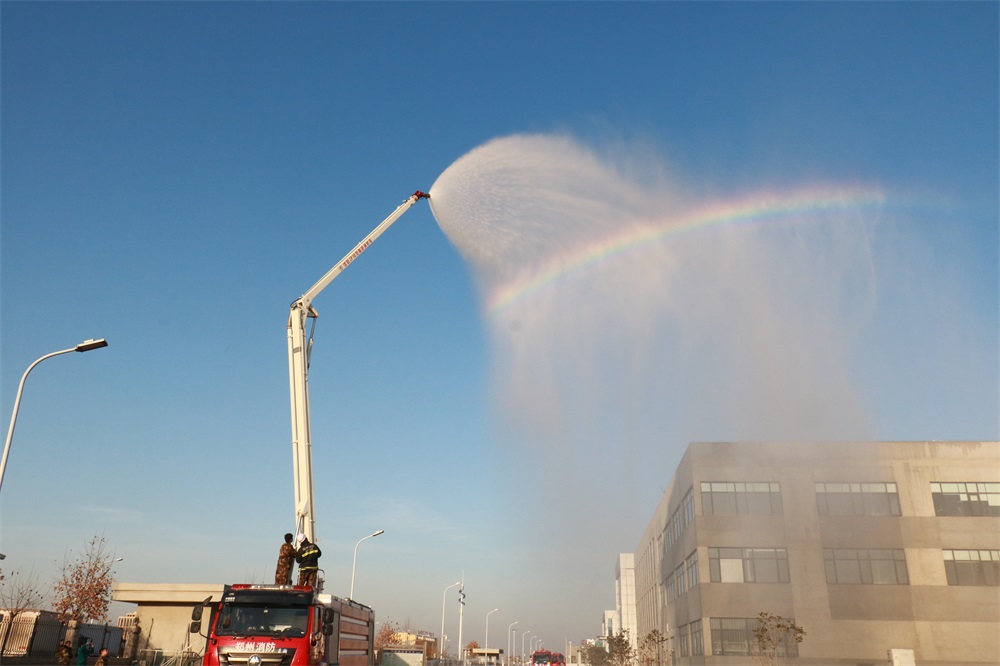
x,y
262,620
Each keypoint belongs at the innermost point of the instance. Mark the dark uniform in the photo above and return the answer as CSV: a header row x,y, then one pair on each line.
x,y
286,556
308,559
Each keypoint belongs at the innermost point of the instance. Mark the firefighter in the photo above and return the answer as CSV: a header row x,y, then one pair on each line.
x,y
308,558
286,557
63,653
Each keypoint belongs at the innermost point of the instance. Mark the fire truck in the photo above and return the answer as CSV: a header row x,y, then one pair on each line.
x,y
286,625
291,625
541,658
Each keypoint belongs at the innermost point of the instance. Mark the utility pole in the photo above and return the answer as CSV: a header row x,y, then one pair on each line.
x,y
461,608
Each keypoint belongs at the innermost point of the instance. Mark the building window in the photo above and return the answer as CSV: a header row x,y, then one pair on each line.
x,y
733,636
682,517
966,499
682,640
857,499
752,499
680,579
748,565
875,566
671,587
972,567
692,570
697,639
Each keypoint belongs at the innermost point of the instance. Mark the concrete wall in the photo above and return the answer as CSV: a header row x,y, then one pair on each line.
x,y
164,613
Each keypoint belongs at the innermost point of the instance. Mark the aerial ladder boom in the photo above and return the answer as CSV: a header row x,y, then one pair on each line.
x,y
298,374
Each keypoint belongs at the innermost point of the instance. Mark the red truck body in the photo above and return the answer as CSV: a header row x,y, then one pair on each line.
x,y
286,625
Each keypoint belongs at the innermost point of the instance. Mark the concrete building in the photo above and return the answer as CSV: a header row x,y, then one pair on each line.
x,y
625,597
163,616
425,640
609,626
869,547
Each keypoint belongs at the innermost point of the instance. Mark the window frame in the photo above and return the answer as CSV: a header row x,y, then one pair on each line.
x,y
877,498
972,568
752,561
947,495
865,566
745,644
729,498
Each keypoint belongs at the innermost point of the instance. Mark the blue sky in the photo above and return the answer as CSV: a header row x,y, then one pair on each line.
x,y
175,174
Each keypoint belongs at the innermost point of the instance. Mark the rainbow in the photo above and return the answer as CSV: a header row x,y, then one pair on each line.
x,y
759,208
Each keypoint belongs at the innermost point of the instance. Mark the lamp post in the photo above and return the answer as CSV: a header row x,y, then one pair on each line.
x,y
84,346
444,597
461,616
509,628
523,636
487,639
355,566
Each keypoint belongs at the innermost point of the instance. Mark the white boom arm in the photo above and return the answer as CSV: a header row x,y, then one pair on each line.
x,y
298,375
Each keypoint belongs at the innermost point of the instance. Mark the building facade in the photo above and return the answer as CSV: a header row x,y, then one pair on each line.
x,y
869,547
625,597
609,626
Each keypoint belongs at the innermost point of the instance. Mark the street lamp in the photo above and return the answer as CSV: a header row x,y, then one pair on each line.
x,y
523,636
444,598
112,563
354,568
84,346
511,626
487,639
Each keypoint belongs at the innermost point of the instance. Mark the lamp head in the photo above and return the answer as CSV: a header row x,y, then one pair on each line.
x,y
87,345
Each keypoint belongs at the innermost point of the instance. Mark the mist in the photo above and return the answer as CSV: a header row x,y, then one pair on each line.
x,y
724,331
630,313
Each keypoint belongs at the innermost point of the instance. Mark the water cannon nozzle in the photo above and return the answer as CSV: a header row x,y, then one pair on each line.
x,y
421,195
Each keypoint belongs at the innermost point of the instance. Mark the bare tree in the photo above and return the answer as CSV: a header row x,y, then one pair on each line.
x,y
386,634
620,650
650,648
83,590
595,655
18,593
773,636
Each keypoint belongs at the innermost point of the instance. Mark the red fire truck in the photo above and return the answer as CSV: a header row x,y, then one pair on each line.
x,y
541,658
285,625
